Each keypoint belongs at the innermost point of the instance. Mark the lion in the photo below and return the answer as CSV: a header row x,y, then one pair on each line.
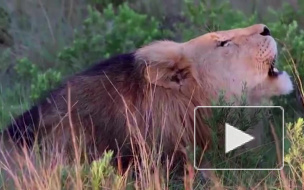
x,y
150,94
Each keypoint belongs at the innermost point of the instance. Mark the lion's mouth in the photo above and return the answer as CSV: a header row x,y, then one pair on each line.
x,y
273,71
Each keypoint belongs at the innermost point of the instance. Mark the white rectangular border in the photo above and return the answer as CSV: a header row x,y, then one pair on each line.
x,y
249,169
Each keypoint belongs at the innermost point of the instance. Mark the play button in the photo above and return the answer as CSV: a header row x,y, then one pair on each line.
x,y
235,138
242,137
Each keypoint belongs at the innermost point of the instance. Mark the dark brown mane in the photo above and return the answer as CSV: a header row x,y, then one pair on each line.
x,y
116,103
24,127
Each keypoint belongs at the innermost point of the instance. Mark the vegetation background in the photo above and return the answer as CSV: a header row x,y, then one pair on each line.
x,y
43,41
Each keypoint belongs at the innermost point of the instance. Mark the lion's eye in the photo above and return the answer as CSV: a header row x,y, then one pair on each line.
x,y
223,43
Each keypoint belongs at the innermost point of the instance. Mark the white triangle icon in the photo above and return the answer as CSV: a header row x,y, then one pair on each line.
x,y
235,138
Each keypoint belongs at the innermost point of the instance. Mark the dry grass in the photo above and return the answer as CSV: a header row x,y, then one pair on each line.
x,y
50,170
45,169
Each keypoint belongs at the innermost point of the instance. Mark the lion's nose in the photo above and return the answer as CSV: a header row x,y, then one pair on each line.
x,y
266,32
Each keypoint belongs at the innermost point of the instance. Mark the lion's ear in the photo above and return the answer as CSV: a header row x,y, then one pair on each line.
x,y
165,64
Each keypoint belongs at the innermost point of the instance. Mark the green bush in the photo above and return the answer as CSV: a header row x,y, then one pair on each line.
x,y
295,151
108,33
290,38
97,175
40,81
206,16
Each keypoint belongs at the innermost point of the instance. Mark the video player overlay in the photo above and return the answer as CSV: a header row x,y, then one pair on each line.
x,y
243,138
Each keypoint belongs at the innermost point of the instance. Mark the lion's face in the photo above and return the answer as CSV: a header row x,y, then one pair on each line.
x,y
231,60
236,57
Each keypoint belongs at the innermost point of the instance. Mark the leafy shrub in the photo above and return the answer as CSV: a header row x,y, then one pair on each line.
x,y
295,151
206,16
101,171
99,174
108,33
40,81
290,38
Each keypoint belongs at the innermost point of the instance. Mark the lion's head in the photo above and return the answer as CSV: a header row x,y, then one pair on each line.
x,y
222,60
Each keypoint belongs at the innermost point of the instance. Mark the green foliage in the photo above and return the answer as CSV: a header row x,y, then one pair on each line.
x,y
101,170
108,33
290,38
97,175
294,157
206,16
296,149
41,81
